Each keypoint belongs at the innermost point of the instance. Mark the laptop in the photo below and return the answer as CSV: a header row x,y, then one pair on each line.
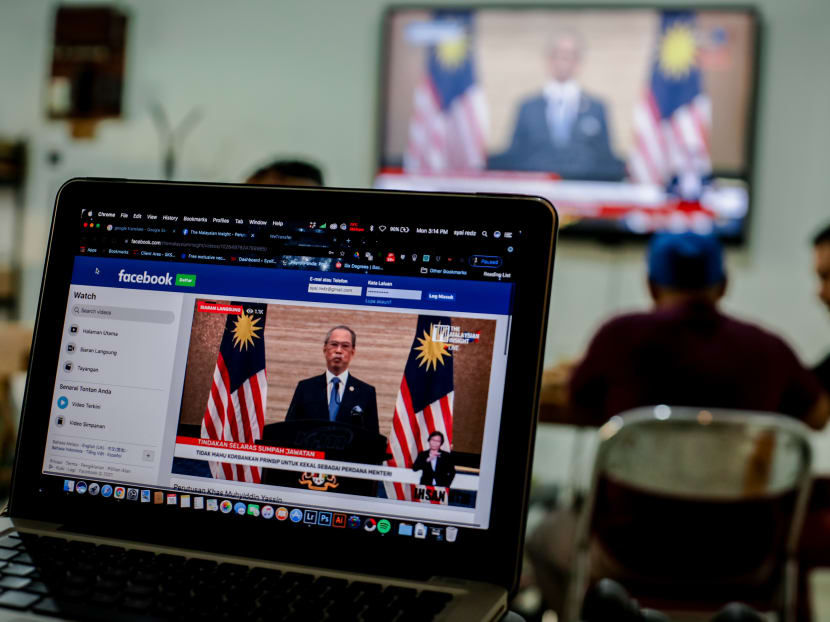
x,y
293,403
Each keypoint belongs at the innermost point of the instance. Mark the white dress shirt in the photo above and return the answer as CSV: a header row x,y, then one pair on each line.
x,y
434,463
562,107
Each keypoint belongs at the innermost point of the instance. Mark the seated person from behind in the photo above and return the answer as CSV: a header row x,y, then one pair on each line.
x,y
686,352
336,395
436,466
563,129
287,173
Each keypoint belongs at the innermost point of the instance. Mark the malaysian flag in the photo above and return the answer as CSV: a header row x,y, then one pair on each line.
x,y
448,128
425,399
236,405
673,120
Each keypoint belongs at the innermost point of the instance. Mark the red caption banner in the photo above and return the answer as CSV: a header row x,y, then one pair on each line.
x,y
208,307
261,449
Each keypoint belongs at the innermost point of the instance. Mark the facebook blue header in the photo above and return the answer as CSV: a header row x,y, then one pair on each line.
x,y
429,293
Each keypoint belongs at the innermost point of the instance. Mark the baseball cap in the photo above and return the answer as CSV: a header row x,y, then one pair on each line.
x,y
685,260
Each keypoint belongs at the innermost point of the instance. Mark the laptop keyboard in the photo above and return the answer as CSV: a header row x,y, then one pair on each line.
x,y
73,579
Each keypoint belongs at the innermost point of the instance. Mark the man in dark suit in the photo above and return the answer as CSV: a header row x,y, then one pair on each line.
x,y
336,395
562,130
436,466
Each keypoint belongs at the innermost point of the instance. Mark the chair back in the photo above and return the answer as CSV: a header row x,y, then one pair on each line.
x,y
690,496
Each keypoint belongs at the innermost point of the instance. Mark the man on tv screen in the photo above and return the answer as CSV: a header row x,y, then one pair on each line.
x,y
563,129
336,395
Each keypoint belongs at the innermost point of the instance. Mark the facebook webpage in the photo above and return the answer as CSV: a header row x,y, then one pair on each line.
x,y
218,380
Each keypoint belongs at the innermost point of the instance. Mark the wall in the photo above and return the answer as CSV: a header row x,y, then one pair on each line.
x,y
300,78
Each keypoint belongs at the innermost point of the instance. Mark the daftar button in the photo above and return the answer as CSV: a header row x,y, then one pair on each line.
x,y
186,280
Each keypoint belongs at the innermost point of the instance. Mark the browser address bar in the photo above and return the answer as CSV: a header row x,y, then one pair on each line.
x,y
199,245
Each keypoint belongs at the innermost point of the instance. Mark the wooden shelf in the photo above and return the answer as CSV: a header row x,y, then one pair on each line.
x,y
12,176
12,163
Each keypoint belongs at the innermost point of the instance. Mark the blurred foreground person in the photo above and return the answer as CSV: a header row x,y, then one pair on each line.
x,y
686,352
821,256
287,173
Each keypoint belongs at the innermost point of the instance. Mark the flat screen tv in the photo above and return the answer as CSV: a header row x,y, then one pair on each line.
x,y
630,120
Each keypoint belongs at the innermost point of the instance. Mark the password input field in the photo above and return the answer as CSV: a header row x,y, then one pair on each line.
x,y
382,292
338,290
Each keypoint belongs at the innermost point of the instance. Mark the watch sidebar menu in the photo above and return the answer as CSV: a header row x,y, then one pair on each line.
x,y
110,400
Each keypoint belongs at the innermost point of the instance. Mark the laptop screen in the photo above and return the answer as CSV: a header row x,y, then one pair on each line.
x,y
344,373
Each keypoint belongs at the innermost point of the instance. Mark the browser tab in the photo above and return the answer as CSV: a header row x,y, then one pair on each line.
x,y
355,246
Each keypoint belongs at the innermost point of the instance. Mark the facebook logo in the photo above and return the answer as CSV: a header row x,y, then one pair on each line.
x,y
152,279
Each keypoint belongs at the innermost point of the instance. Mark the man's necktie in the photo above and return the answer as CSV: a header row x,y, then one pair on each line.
x,y
334,401
561,122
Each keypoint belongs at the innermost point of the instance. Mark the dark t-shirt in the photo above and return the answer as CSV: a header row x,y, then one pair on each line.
x,y
822,372
688,355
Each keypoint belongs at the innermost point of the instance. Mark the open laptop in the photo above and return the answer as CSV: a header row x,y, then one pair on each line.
x,y
184,450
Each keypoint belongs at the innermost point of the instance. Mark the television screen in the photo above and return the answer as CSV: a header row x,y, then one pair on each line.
x,y
630,120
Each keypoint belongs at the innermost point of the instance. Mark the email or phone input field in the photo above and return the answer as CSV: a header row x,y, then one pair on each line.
x,y
339,290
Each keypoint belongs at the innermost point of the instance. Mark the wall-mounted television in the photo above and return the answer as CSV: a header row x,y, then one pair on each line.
x,y
630,120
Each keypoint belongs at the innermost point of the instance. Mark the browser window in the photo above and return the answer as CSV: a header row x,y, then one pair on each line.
x,y
199,357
